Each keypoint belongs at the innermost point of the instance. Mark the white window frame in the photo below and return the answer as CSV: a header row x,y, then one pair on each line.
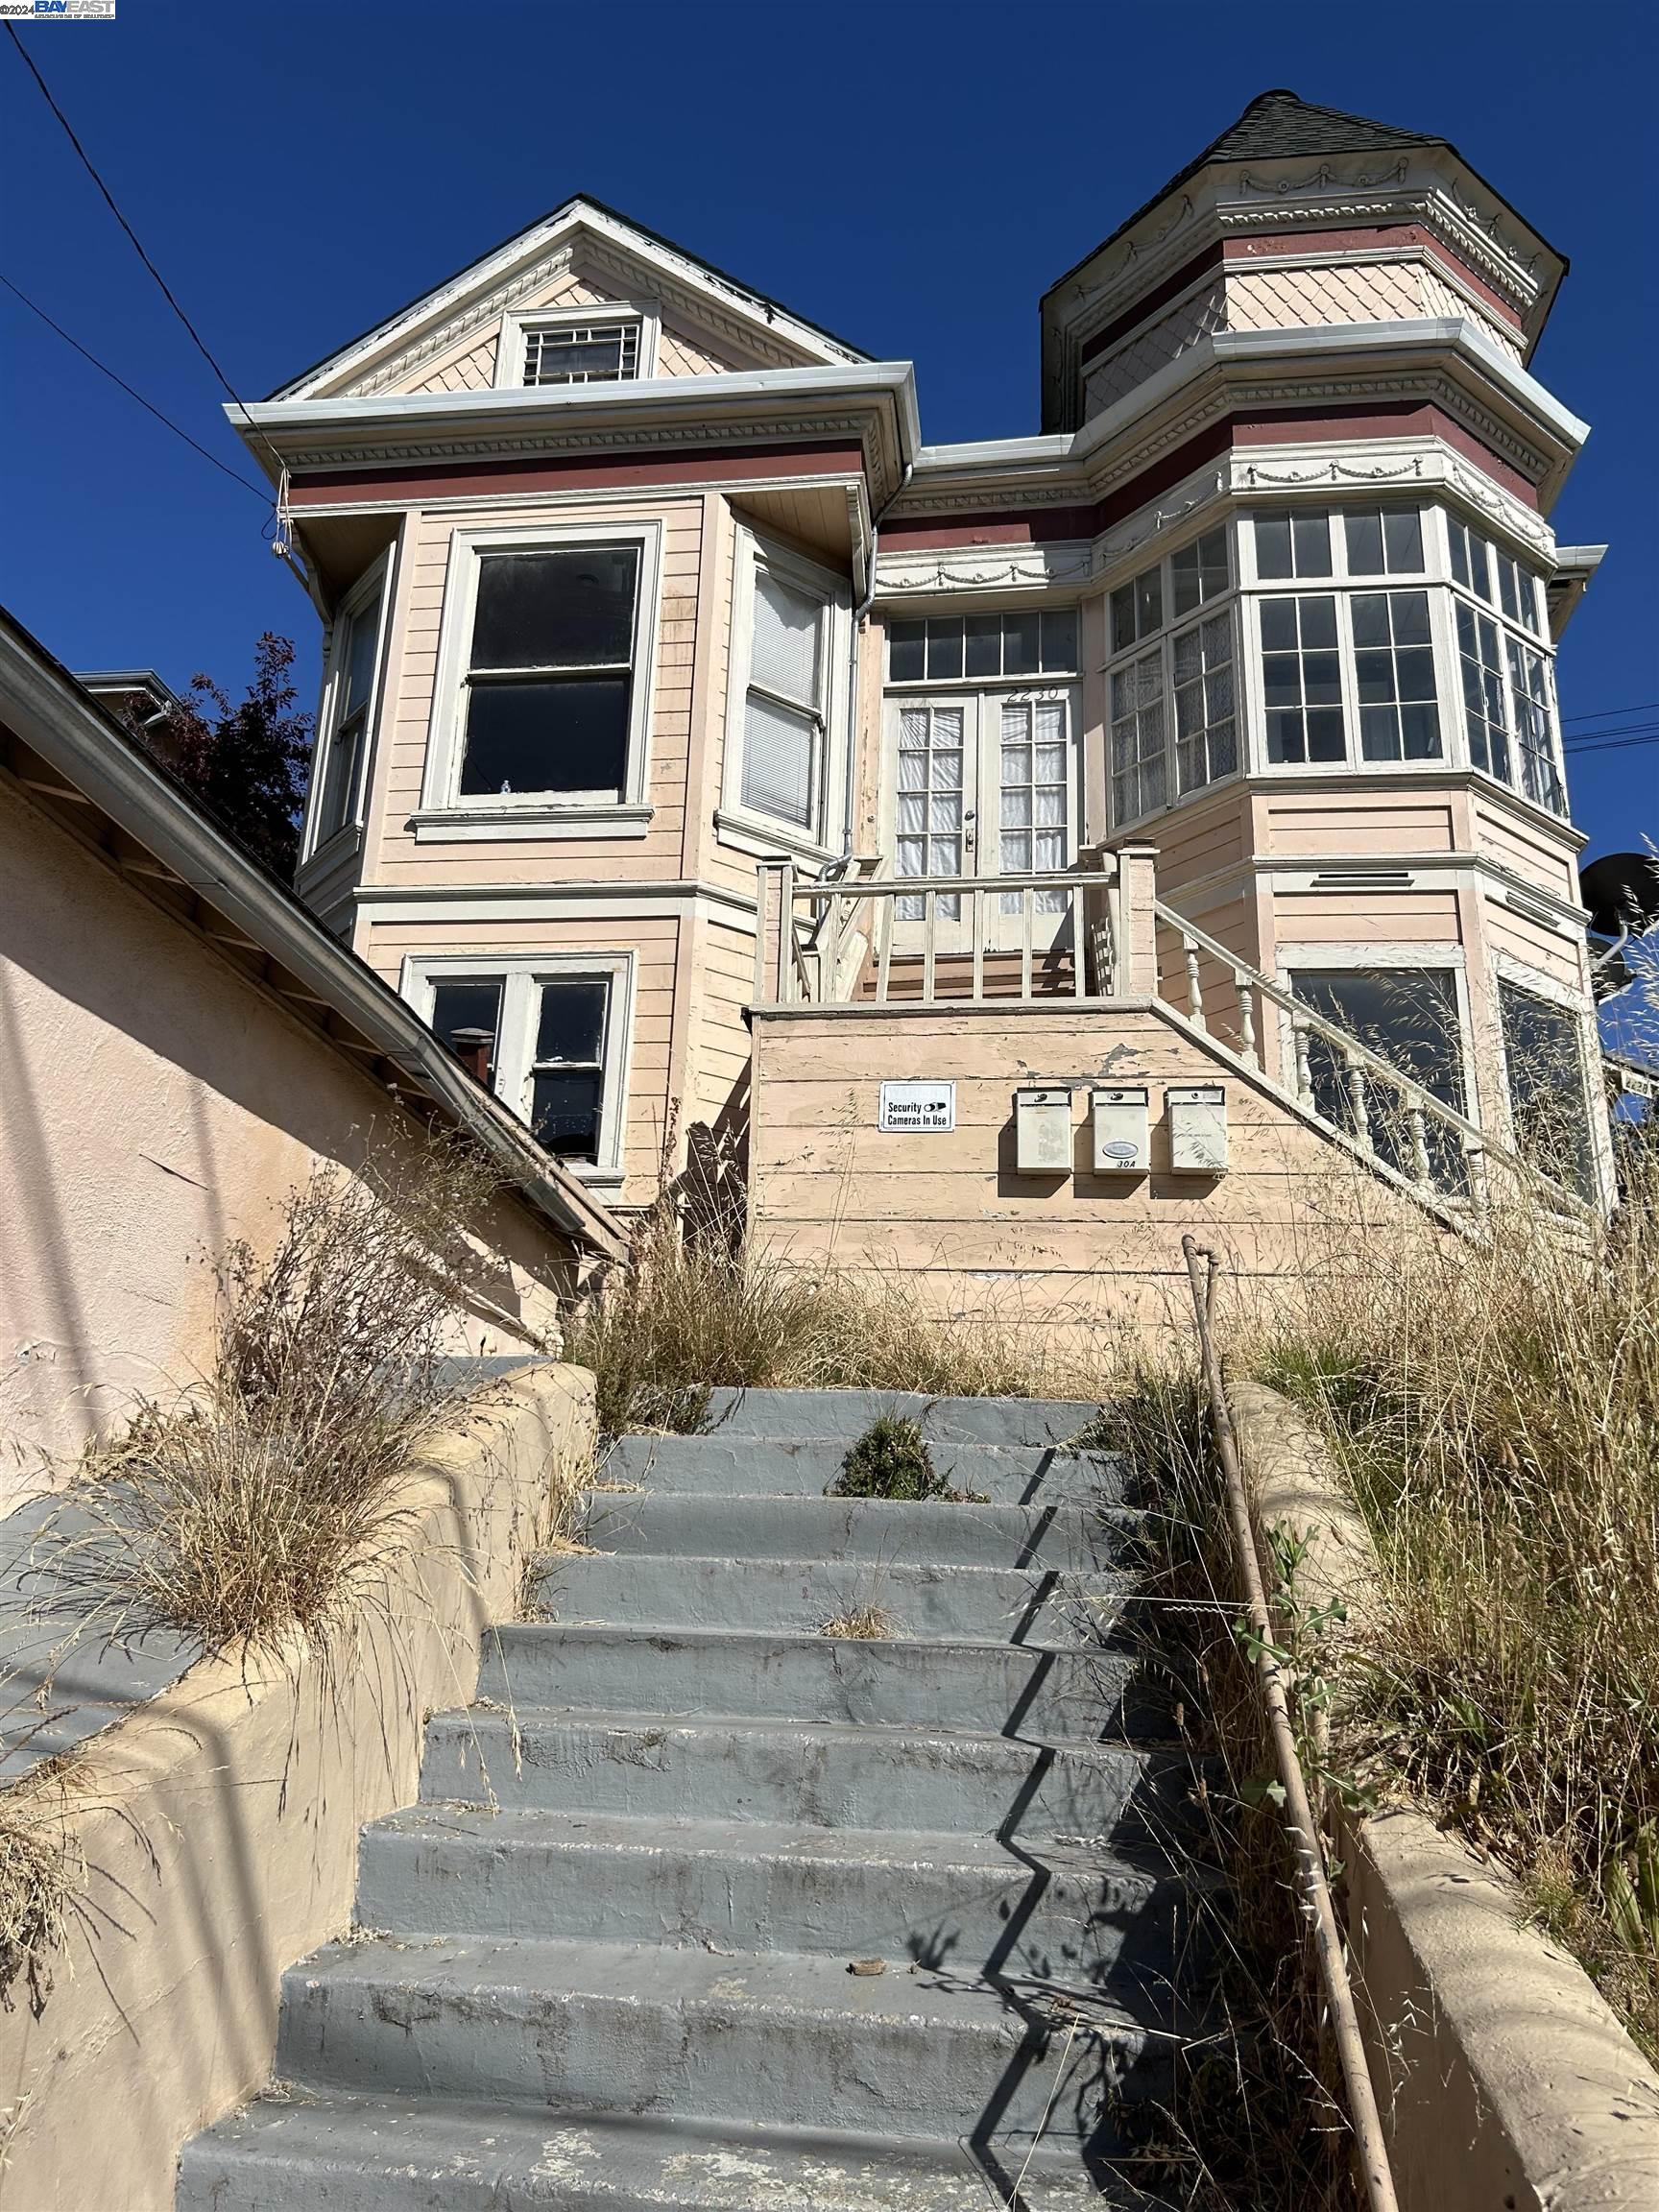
x,y
748,827
517,323
1507,967
373,584
1348,958
444,813
1535,639
520,975
1225,605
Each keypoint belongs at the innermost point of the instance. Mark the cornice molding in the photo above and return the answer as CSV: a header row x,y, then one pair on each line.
x,y
985,568
689,308
455,329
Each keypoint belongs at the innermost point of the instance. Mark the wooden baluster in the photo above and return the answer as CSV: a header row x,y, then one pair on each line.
x,y
1079,946
884,965
1415,1122
930,942
1027,902
830,951
1113,976
1246,1020
1194,989
1299,1032
1480,1191
765,903
978,944
1357,1096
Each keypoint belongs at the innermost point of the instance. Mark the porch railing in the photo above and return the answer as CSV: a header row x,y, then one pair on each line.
x,y
828,941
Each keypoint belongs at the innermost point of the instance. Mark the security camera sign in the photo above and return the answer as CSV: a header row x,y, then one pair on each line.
x,y
914,1108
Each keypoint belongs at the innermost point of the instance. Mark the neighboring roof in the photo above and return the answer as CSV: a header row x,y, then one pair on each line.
x,y
124,682
1281,125
195,871
745,294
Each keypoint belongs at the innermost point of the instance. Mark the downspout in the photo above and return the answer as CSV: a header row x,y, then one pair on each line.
x,y
860,616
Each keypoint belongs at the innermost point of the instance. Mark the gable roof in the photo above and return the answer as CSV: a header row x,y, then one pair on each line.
x,y
717,283
128,801
1279,124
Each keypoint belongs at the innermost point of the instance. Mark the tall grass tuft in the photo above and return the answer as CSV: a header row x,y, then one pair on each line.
x,y
686,1313
1496,1405
257,1502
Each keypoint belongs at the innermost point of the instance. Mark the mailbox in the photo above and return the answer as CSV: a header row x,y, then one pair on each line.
x,y
1043,1132
1120,1140
1197,1114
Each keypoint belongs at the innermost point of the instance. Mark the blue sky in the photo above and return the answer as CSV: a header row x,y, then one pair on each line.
x,y
910,175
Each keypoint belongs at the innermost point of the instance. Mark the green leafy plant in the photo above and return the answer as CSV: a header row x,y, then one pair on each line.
x,y
891,1460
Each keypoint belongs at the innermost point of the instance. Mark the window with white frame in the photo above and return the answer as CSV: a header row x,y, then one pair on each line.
x,y
791,624
1543,1068
1171,696
543,683
1394,675
549,1034
1410,1017
1509,712
1302,679
353,657
601,352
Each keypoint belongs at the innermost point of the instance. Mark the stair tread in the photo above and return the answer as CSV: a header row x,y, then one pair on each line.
x,y
483,2156
694,1635
780,1725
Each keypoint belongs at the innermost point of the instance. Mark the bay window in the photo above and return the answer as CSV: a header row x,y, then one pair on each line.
x,y
1172,698
1302,679
1394,671
347,713
786,701
1543,1070
1408,1016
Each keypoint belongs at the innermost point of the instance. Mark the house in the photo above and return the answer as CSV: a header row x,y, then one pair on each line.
x,y
181,1046
700,750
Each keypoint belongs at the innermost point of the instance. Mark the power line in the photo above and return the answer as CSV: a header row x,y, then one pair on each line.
x,y
1611,745
261,492
1626,730
196,337
1611,713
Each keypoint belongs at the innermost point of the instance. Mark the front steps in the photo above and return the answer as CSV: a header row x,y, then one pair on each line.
x,y
606,1962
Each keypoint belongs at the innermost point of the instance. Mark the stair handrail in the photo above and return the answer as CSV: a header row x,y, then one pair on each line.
x,y
1476,1146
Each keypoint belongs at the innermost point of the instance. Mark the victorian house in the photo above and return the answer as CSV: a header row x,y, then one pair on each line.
x,y
1013,850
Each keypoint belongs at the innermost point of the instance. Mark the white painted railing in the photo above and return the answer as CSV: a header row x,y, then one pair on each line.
x,y
828,940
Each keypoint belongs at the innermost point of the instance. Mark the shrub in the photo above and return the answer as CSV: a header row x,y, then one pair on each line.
x,y
891,1460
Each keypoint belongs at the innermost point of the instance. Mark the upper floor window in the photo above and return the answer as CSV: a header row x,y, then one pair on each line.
x,y
543,671
581,353
983,648
343,746
1493,575
1508,709
1171,702
789,645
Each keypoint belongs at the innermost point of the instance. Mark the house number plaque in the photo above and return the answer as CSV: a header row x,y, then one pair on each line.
x,y
916,1107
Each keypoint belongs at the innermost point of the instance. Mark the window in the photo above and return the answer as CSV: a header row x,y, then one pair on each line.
x,y
1529,686
1206,731
549,1032
581,353
1302,680
1138,733
1407,1017
1492,575
1383,541
1485,715
983,648
1292,544
1174,712
353,652
1544,1064
1199,573
1394,671
786,700
1036,782
932,773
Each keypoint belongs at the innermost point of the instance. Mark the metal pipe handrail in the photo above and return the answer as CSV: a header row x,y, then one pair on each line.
x,y
1311,1876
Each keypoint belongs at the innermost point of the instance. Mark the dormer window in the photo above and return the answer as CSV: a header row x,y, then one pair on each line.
x,y
581,353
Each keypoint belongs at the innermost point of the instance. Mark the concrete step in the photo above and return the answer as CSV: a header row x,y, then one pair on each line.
x,y
965,1902
734,1464
818,1774
343,2154
849,1413
1000,1689
655,2032
1082,1538
1033,1604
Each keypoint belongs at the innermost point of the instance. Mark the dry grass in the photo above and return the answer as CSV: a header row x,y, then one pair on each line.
x,y
1496,1405
686,1314
41,1877
258,1502
865,1623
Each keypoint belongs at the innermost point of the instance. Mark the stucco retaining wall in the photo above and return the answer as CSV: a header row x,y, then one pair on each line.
x,y
1504,2079
220,1823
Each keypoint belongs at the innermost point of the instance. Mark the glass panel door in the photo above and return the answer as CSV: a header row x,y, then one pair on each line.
x,y
935,815
1035,771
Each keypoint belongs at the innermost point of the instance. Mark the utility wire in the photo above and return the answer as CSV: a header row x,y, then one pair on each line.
x,y
1613,714
1611,745
261,492
196,337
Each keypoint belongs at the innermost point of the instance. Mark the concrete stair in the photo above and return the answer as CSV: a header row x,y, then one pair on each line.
x,y
704,1905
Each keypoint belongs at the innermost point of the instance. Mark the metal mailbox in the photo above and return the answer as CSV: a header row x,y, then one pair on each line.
x,y
1121,1142
1043,1132
1197,1114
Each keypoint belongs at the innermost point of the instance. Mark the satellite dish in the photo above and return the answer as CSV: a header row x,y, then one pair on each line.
x,y
1620,893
